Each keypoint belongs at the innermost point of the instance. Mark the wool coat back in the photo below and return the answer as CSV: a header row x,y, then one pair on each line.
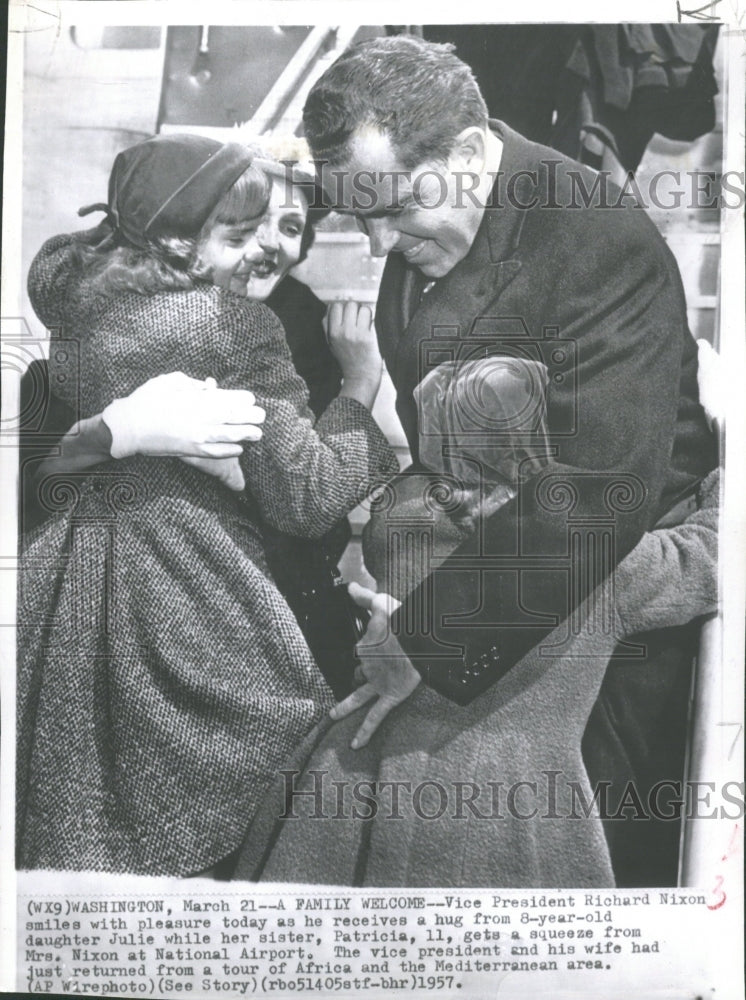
x,y
162,677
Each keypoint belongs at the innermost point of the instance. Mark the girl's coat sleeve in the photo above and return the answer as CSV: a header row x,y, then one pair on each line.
x,y
304,477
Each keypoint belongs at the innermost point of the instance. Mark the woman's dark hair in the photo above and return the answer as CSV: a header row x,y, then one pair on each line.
x,y
314,217
418,93
169,263
298,181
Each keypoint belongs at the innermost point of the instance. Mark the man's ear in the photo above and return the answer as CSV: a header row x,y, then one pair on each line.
x,y
470,149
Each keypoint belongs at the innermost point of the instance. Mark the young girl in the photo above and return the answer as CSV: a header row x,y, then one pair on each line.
x,y
303,569
482,431
162,678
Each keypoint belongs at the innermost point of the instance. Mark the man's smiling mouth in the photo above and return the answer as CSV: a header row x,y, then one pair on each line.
x,y
413,252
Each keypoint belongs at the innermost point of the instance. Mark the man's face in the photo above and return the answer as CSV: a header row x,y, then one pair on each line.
x,y
280,235
423,213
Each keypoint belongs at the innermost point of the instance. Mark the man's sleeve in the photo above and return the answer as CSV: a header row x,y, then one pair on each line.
x,y
533,561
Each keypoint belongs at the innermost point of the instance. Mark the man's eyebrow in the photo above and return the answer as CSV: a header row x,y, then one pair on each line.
x,y
377,213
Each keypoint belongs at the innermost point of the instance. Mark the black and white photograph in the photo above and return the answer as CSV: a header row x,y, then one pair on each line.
x,y
373,495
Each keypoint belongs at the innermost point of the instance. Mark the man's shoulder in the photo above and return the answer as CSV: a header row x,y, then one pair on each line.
x,y
555,182
553,201
547,165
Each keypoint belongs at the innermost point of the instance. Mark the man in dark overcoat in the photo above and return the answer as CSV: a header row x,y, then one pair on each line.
x,y
497,245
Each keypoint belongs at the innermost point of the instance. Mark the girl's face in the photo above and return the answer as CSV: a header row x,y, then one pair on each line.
x,y
231,252
279,235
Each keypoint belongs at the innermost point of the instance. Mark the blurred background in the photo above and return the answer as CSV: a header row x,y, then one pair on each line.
x,y
92,91
640,98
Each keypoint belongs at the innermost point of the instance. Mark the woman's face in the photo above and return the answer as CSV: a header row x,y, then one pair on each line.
x,y
231,252
279,235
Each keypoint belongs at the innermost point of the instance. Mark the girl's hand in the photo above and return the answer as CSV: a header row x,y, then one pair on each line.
x,y
389,676
353,342
352,339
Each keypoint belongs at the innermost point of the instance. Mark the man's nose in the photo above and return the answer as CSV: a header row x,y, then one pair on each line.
x,y
382,234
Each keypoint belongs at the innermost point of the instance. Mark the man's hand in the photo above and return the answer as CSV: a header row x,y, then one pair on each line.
x,y
174,415
389,675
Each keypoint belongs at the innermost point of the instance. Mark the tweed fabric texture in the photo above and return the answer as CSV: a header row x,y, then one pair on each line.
x,y
460,829
162,677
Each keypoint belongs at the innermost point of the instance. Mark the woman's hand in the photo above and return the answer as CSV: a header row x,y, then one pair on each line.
x,y
353,342
174,415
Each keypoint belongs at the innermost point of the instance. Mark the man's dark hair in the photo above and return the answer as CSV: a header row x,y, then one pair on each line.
x,y
418,93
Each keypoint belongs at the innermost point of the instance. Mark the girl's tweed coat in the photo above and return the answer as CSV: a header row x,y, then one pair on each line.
x,y
162,678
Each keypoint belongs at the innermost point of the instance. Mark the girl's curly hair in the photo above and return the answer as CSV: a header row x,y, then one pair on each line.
x,y
168,264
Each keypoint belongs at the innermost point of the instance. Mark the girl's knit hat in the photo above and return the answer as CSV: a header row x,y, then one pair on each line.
x,y
169,185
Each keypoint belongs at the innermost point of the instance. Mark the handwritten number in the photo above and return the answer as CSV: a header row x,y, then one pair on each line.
x,y
735,738
719,893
